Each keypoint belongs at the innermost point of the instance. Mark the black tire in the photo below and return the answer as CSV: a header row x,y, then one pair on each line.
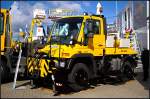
x,y
79,77
4,71
127,70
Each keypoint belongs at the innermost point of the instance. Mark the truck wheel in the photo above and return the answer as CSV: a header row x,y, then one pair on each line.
x,y
3,71
127,71
79,77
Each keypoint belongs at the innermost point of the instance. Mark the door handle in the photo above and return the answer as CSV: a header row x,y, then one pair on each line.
x,y
100,44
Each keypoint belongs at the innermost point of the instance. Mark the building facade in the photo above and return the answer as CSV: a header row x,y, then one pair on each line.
x,y
135,16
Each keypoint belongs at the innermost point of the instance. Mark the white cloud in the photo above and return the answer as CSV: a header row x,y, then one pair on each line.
x,y
22,11
22,14
87,4
66,5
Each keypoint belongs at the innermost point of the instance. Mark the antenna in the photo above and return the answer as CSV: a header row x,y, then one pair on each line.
x,y
99,9
116,14
118,33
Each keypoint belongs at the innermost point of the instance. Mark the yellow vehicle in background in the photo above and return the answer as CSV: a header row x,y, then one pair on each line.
x,y
37,34
8,53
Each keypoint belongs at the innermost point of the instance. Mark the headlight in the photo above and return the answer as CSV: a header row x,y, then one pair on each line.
x,y
62,64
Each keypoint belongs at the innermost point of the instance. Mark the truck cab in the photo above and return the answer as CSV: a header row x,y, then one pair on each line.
x,y
77,46
85,32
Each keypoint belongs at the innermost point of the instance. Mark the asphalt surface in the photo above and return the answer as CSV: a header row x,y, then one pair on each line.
x,y
112,89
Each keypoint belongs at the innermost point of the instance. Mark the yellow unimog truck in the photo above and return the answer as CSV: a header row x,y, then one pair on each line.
x,y
79,49
8,50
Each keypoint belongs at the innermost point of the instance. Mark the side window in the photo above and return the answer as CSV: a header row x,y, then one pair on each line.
x,y
95,26
8,39
7,26
91,26
1,23
86,28
86,32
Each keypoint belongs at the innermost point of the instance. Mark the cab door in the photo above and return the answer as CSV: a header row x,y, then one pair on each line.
x,y
93,36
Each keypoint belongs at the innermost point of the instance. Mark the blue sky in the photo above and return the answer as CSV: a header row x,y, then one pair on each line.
x,y
22,10
109,9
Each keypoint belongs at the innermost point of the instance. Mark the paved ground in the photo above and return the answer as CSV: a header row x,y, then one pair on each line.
x,y
130,89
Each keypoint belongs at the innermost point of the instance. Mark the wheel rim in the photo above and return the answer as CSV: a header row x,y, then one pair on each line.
x,y
81,77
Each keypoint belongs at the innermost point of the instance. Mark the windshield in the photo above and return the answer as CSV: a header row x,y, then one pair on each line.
x,y
66,29
1,23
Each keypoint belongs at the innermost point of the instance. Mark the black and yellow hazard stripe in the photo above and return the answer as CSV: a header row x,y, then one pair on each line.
x,y
43,66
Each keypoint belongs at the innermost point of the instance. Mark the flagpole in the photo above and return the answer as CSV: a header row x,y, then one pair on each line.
x,y
148,25
116,14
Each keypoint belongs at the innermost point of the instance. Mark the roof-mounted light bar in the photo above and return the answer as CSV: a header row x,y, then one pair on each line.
x,y
62,12
39,13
